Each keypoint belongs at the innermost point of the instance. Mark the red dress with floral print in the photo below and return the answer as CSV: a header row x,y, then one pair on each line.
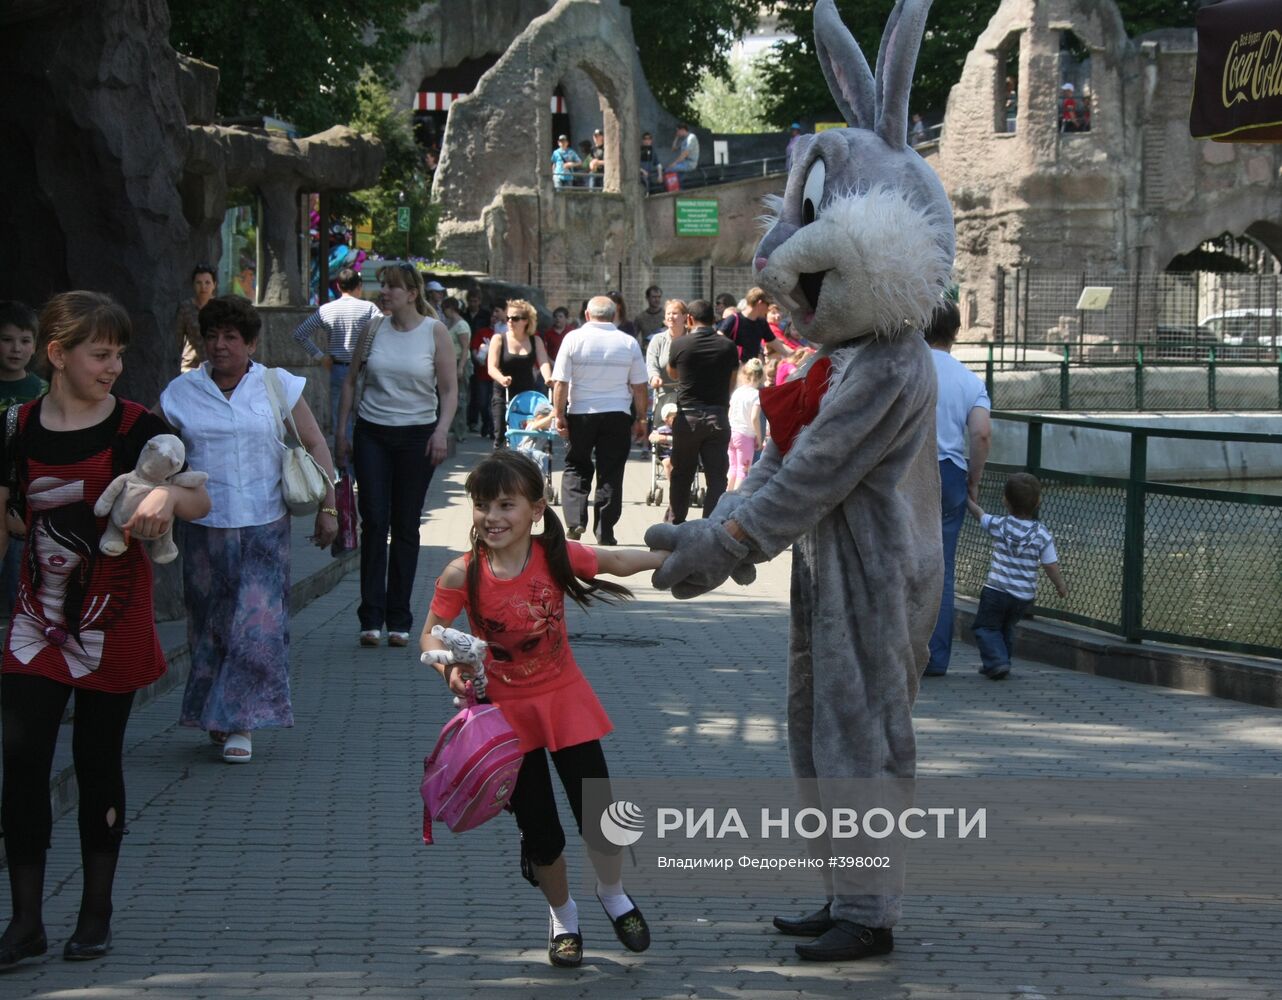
x,y
531,671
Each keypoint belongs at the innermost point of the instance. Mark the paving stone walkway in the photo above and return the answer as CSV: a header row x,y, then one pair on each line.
x,y
302,874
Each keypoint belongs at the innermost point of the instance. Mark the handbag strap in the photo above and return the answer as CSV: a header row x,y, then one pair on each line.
x,y
288,429
360,357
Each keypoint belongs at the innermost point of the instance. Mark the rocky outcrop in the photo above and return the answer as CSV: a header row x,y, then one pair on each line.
x,y
494,180
93,135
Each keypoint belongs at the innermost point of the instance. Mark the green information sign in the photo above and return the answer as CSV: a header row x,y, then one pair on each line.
x,y
403,220
697,217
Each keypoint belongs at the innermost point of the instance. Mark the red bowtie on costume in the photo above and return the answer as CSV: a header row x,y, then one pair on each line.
x,y
793,405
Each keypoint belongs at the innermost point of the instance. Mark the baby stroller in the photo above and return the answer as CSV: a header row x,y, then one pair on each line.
x,y
659,450
523,408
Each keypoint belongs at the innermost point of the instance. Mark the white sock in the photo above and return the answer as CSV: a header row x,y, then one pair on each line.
x,y
565,918
614,899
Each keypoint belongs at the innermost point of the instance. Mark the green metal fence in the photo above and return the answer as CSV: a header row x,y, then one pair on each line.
x,y
1146,559
1131,376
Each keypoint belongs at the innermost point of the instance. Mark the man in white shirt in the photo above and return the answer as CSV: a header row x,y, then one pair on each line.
x,y
686,146
599,391
341,322
961,413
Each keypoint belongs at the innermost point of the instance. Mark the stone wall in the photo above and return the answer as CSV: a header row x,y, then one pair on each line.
x,y
1131,193
739,210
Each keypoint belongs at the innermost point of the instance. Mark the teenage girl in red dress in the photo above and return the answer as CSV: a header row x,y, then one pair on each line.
x,y
83,622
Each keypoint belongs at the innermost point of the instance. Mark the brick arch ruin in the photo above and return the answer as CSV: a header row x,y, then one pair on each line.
x,y
494,179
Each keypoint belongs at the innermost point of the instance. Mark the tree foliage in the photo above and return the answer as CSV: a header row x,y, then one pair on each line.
x,y
296,59
681,40
795,83
735,104
403,183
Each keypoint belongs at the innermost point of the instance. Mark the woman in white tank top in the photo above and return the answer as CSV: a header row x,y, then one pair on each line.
x,y
403,384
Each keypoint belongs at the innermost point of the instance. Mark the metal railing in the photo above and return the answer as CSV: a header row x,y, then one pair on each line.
x,y
1127,375
1146,559
698,177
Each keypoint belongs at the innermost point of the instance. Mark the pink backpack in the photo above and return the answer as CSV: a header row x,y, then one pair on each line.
x,y
469,776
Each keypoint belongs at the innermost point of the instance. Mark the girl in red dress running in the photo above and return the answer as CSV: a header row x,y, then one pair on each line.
x,y
513,586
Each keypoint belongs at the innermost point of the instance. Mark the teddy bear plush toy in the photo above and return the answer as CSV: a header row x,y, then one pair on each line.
x,y
861,253
158,464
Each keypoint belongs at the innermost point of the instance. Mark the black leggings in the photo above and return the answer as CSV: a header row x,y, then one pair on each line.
x,y
542,839
31,710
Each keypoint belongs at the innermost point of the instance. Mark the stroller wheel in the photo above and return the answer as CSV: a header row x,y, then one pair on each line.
x,y
658,496
549,493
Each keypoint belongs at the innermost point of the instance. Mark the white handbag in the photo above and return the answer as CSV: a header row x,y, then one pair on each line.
x,y
303,482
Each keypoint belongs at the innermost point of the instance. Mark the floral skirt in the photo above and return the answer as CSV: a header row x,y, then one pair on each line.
x,y
236,588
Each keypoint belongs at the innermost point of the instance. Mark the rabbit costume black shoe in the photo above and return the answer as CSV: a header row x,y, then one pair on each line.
x,y
861,252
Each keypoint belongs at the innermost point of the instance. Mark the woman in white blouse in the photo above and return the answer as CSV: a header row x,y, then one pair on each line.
x,y
404,405
236,559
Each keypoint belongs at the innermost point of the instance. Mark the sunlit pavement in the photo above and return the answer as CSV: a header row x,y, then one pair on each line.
x,y
303,874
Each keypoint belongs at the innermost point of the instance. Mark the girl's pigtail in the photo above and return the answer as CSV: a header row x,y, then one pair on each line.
x,y
472,577
558,556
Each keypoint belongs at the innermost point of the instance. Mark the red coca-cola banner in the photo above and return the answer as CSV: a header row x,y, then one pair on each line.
x,y
1237,94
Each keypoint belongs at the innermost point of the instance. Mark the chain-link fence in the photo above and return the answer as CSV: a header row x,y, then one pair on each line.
x,y
1174,314
1125,376
1145,559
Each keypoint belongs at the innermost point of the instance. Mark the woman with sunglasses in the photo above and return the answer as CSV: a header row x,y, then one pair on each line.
x,y
403,386
513,357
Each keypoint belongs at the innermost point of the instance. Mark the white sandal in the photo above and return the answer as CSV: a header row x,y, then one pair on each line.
x,y
238,742
371,637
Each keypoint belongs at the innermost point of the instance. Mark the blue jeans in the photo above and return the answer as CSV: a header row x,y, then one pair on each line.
x,y
994,627
952,503
392,476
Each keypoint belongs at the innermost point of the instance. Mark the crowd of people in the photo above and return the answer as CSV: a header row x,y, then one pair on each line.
x,y
684,379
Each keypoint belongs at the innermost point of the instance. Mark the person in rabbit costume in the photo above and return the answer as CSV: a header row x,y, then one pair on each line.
x,y
861,252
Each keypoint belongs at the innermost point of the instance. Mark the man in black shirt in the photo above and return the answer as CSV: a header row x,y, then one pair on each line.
x,y
706,367
751,329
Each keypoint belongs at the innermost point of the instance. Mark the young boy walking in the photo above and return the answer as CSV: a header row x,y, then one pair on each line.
x,y
17,386
1020,544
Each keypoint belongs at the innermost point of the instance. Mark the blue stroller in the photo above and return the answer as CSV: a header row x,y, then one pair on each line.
x,y
537,444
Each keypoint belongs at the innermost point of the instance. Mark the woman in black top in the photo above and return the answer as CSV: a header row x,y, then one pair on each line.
x,y
513,357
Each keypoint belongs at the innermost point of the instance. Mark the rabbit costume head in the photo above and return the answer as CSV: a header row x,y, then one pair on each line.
x,y
862,241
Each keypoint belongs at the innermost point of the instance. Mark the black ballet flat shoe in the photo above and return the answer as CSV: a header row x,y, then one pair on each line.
x,y
811,925
847,941
29,947
565,950
631,929
86,951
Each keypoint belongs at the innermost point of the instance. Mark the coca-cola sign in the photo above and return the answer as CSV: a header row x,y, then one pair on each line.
x,y
1237,95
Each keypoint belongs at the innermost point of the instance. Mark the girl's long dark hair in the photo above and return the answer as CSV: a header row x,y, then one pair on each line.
x,y
511,473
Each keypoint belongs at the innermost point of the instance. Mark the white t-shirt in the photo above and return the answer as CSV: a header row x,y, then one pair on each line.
x,y
742,400
600,363
235,439
400,376
960,391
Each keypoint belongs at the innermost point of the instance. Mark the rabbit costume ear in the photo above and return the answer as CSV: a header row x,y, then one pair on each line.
x,y
845,68
896,60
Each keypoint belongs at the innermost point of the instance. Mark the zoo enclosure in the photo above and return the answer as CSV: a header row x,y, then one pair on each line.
x,y
1145,559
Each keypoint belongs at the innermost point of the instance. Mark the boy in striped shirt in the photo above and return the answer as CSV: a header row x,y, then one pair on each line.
x,y
1020,544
